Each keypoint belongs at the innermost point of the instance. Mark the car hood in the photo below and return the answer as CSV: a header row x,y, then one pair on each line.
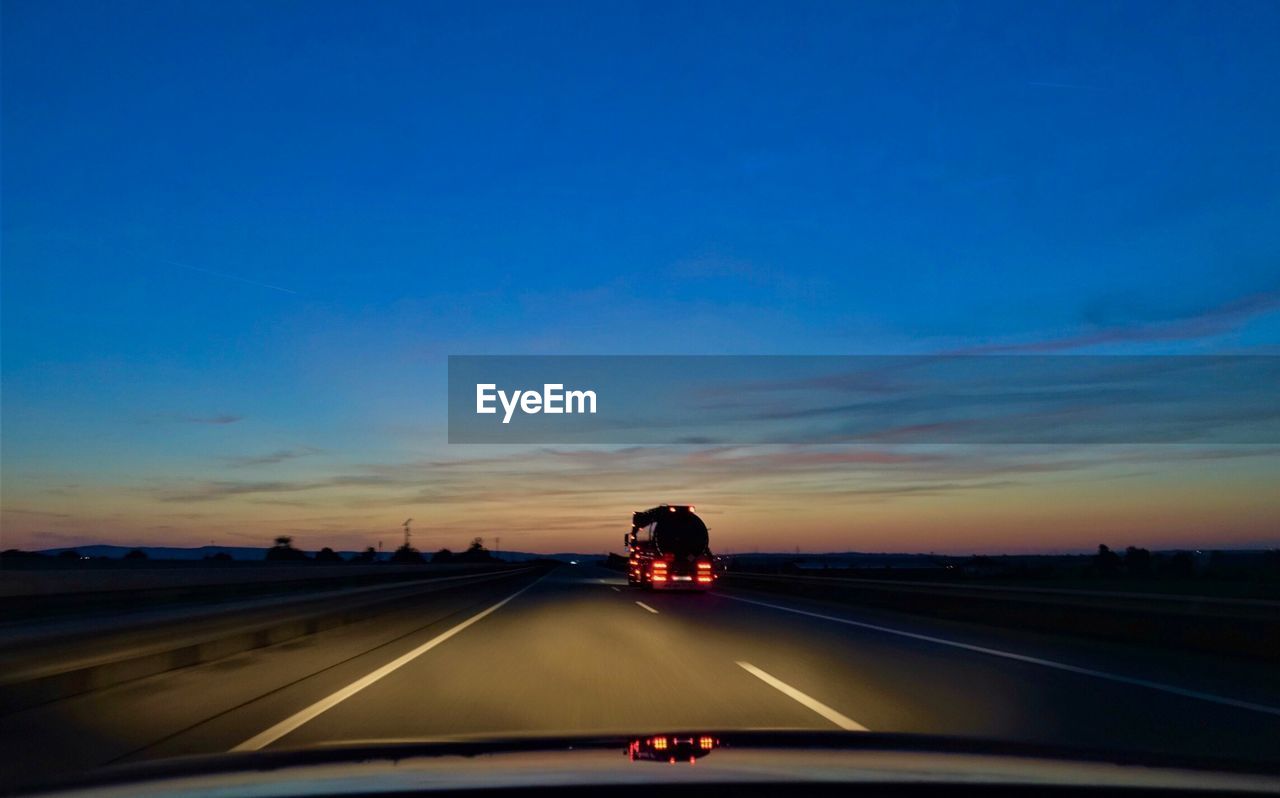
x,y
662,758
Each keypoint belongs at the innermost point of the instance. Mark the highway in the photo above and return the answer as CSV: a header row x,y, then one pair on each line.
x,y
577,651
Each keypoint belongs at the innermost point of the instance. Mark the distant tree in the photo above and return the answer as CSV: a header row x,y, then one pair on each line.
x,y
69,554
19,554
136,554
1137,561
442,556
369,555
283,551
407,555
1182,565
327,555
476,552
1106,562
221,556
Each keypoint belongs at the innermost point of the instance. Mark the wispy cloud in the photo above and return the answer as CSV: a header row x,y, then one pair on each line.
x,y
272,458
221,418
1206,323
225,275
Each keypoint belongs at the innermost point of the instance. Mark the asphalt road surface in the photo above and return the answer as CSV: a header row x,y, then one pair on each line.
x,y
577,651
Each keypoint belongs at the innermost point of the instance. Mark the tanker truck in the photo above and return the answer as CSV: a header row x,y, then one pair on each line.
x,y
667,550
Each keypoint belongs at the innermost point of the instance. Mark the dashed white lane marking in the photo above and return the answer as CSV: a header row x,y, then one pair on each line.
x,y
846,723
296,720
615,589
1048,663
644,606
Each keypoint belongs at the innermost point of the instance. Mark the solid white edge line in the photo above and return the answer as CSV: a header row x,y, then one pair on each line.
x,y
844,722
1048,663
297,719
644,606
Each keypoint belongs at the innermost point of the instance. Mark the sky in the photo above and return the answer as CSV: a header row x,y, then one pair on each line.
x,y
241,239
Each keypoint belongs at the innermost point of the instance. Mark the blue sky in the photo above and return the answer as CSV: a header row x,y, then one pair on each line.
x,y
233,230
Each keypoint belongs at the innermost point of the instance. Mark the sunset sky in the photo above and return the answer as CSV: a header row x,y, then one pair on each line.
x,y
241,239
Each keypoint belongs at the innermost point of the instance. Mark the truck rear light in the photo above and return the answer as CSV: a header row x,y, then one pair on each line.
x,y
704,566
704,579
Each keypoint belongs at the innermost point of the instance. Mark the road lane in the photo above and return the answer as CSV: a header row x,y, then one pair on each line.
x,y
575,654
802,698
309,713
1094,673
892,683
569,656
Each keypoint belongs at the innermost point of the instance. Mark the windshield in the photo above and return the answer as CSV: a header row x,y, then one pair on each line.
x,y
410,371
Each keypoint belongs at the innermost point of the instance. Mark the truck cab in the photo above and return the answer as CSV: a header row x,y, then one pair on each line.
x,y
668,549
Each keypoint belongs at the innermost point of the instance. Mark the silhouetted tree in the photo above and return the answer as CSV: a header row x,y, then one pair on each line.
x,y
1106,562
136,554
1182,565
327,555
19,554
442,556
283,551
407,555
369,555
221,556
69,554
476,552
1137,561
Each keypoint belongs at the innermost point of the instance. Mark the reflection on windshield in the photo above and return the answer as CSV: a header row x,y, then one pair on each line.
x,y
671,748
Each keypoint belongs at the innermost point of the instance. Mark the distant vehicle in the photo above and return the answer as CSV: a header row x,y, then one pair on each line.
x,y
668,549
573,562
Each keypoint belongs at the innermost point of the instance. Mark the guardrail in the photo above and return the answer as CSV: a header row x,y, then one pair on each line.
x,y
29,594
103,661
1246,627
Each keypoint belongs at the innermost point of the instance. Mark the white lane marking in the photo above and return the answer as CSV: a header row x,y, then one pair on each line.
x,y
644,606
846,723
1048,663
296,720
615,589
